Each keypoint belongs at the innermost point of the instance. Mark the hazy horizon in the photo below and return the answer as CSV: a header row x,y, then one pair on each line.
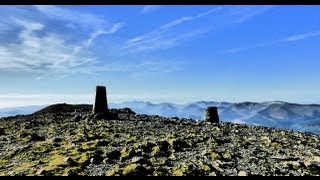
x,y
177,54
42,102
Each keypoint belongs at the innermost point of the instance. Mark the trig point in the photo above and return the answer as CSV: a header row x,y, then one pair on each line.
x,y
212,115
100,104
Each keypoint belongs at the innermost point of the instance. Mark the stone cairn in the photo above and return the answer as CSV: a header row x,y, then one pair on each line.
x,y
212,115
100,105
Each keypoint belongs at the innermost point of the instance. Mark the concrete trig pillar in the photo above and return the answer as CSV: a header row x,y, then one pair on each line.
x,y
212,115
100,104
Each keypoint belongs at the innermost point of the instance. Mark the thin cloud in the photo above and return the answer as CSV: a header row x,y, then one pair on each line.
x,y
36,48
49,54
163,42
98,33
154,36
293,38
85,45
301,36
188,18
82,19
28,25
259,45
162,38
253,13
150,8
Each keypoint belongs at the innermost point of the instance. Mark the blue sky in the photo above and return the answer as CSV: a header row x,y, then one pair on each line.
x,y
179,54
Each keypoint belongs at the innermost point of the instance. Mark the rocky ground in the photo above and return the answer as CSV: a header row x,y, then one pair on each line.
x,y
69,140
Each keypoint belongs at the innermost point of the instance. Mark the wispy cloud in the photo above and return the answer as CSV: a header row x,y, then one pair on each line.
x,y
85,45
151,39
253,13
150,8
48,54
166,42
264,44
303,36
35,47
164,37
46,51
293,38
82,19
39,49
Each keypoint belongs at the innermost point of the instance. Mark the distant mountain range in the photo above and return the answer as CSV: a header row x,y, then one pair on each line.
x,y
5,112
278,114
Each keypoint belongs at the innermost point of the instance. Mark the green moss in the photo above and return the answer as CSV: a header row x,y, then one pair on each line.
x,y
56,160
56,165
3,163
89,146
42,148
25,167
81,157
113,171
129,169
177,171
80,137
227,155
12,153
215,156
127,153
265,140
180,170
110,173
24,133
275,145
68,171
105,134
204,167
134,170
158,173
155,151
136,145
131,140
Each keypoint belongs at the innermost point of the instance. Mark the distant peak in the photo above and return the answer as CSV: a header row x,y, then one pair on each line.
x,y
63,107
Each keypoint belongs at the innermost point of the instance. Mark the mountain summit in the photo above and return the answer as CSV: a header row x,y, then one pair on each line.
x,y
69,140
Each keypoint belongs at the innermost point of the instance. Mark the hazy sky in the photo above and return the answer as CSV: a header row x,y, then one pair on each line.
x,y
179,54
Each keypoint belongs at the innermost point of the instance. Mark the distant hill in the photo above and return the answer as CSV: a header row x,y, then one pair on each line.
x,y
65,108
5,112
301,117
